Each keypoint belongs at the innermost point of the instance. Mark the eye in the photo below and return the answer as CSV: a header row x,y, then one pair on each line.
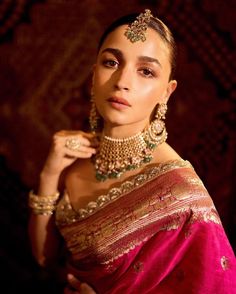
x,y
110,63
147,72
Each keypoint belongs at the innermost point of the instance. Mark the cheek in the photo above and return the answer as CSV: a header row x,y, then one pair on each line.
x,y
148,106
97,79
100,81
146,99
150,92
149,96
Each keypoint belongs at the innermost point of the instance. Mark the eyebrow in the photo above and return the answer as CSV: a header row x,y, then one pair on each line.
x,y
120,55
114,51
149,59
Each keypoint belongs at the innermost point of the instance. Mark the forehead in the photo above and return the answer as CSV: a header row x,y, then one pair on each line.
x,y
153,46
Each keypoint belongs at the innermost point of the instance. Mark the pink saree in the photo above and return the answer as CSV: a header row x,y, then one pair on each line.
x,y
157,233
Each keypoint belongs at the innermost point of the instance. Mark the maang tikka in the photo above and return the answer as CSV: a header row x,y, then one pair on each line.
x,y
136,30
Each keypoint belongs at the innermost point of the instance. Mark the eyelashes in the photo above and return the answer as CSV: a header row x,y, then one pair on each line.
x,y
147,72
110,63
144,71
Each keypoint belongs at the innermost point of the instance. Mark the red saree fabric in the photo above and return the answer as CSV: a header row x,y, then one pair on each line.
x,y
156,233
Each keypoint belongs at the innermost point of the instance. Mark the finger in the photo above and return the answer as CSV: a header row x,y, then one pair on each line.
x,y
73,282
93,138
75,144
87,149
89,135
86,289
79,153
82,140
74,139
85,137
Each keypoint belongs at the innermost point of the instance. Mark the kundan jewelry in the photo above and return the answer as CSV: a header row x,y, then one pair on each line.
x,y
44,205
73,144
136,30
116,156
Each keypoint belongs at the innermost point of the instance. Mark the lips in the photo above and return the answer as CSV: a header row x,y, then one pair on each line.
x,y
119,100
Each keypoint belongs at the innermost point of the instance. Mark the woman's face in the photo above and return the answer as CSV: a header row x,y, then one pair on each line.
x,y
130,79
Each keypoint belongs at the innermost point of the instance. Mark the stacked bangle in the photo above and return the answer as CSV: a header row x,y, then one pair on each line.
x,y
44,205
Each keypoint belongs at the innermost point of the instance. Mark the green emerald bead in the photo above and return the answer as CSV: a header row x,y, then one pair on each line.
x,y
100,177
130,167
147,159
114,175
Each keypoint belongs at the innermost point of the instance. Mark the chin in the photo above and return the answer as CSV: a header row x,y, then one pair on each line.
x,y
115,123
115,119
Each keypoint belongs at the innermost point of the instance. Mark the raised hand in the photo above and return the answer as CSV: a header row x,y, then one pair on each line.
x,y
67,146
76,287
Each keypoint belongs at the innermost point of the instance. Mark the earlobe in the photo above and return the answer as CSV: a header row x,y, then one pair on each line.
x,y
173,85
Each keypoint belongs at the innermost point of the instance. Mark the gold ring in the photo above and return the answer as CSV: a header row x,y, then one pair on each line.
x,y
73,144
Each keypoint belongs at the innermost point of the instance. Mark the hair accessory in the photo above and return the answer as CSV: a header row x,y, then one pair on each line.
x,y
116,156
73,144
44,205
136,30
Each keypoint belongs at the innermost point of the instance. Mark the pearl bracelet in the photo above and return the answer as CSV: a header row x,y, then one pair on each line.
x,y
43,205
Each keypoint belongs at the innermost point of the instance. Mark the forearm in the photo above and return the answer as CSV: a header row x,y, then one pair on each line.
x,y
42,230
44,237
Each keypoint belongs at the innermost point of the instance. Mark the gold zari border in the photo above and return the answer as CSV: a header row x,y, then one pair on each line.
x,y
65,213
104,238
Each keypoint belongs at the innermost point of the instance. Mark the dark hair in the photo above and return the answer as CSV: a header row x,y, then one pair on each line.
x,y
157,25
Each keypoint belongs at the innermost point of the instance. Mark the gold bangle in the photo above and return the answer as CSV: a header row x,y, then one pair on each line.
x,y
44,205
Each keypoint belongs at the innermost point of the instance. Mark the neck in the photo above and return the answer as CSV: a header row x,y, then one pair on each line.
x,y
125,131
117,155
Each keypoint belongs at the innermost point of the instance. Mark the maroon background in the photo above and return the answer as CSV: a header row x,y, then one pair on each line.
x,y
47,49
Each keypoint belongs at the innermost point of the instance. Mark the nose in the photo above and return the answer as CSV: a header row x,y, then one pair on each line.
x,y
123,79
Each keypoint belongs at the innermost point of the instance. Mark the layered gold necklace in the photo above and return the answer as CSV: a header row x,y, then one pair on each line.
x,y
116,156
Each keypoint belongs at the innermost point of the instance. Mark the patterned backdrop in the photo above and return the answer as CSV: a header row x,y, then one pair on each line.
x,y
47,49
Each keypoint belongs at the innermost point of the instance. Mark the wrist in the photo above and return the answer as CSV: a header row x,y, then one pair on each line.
x,y
45,173
48,184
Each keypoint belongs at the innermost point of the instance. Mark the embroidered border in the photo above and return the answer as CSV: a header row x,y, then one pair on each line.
x,y
65,213
109,235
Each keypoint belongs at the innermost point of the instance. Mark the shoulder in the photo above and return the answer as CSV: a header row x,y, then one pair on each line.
x,y
165,153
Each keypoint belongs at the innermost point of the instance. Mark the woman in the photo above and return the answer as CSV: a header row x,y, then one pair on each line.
x,y
134,215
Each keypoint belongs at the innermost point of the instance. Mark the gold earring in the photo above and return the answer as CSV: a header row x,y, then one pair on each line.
x,y
158,125
161,111
157,131
93,116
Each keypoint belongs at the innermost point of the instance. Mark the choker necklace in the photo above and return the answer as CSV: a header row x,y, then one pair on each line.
x,y
116,156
